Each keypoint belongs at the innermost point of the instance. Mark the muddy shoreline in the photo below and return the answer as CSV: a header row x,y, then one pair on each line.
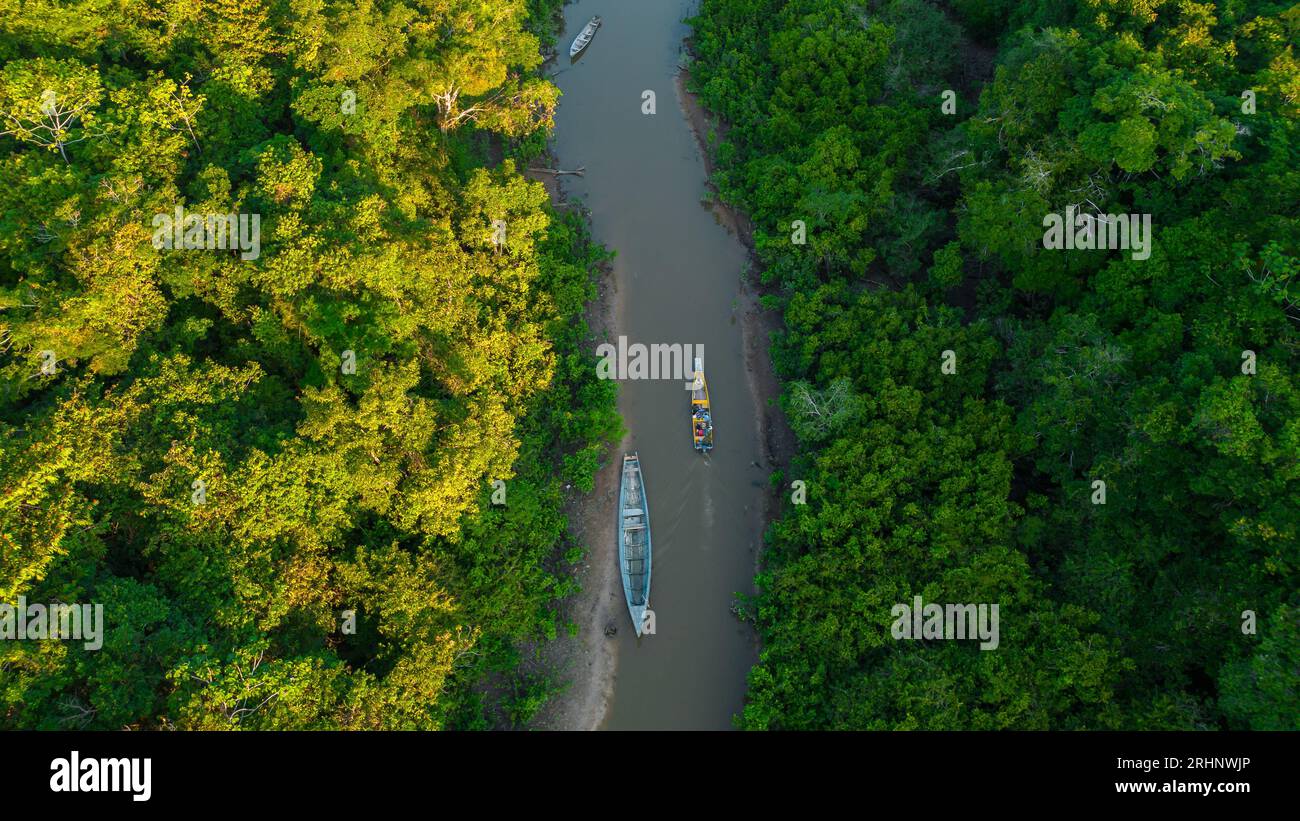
x,y
757,324
587,661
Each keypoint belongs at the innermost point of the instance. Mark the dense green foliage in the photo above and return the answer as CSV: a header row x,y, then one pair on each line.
x,y
924,235
324,488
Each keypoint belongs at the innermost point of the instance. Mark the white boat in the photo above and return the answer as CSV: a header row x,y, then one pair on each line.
x,y
634,542
580,42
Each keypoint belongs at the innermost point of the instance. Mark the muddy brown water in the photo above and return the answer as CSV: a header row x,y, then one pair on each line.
x,y
678,278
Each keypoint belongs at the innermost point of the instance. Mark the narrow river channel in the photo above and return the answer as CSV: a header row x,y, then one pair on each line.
x,y
677,279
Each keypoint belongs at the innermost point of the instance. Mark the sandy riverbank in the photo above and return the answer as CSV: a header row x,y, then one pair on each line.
x,y
587,661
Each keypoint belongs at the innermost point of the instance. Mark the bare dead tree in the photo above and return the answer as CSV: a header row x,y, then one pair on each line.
x,y
560,172
51,129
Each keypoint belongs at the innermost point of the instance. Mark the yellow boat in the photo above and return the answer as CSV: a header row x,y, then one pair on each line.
x,y
701,413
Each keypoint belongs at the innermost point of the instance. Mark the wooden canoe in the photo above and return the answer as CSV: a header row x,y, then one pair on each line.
x,y
634,549
701,411
584,37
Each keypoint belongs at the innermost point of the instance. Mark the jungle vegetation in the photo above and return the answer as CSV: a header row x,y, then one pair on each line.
x,y
277,474
1171,379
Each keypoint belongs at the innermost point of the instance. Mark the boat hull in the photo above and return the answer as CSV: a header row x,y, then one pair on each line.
x,y
634,544
701,411
584,37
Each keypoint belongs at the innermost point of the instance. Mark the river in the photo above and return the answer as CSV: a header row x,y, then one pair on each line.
x,y
677,278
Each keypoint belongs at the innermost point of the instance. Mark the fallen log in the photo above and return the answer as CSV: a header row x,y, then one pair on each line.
x,y
560,172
